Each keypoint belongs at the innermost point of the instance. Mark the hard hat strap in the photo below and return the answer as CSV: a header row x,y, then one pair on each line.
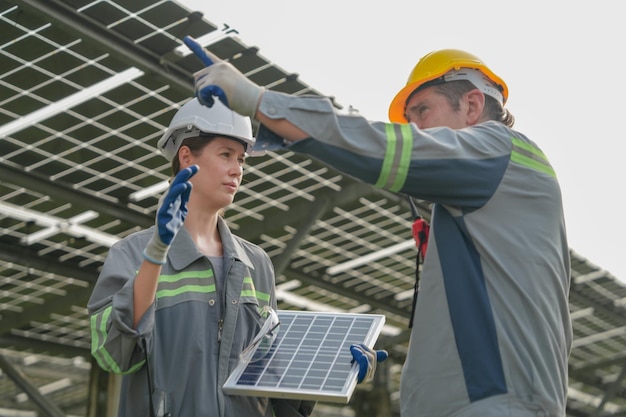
x,y
476,77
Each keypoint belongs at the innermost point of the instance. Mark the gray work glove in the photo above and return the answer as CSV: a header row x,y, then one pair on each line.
x,y
222,80
170,216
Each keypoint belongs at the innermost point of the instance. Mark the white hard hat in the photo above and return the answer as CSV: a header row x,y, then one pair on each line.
x,y
193,118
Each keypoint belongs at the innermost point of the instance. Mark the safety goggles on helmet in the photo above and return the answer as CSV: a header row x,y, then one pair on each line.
x,y
261,345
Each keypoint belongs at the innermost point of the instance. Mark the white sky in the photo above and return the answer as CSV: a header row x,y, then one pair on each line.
x,y
563,62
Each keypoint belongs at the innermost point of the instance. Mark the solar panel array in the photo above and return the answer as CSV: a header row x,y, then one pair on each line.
x,y
72,165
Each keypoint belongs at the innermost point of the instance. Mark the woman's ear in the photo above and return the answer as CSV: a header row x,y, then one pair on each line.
x,y
475,106
184,156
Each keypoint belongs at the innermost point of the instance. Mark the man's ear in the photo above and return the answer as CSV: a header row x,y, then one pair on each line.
x,y
475,106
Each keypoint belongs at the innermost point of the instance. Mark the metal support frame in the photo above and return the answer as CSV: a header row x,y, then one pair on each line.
x,y
64,15
37,182
104,392
317,210
610,392
48,408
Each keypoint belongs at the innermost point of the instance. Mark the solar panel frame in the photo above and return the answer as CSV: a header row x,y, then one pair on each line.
x,y
310,358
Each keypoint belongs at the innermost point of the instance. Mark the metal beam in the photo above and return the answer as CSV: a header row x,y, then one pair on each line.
x,y
581,294
591,366
282,261
103,392
46,407
92,31
47,347
610,392
41,312
62,191
252,229
590,379
570,412
384,303
22,255
78,295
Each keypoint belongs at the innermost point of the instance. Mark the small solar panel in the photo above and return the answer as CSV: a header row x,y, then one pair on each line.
x,y
310,358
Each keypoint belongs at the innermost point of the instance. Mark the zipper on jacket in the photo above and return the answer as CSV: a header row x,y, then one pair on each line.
x,y
220,324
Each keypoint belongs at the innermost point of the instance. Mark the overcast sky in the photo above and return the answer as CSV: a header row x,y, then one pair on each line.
x,y
563,61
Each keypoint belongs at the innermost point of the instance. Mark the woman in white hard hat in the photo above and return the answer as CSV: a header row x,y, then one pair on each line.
x,y
175,305
491,328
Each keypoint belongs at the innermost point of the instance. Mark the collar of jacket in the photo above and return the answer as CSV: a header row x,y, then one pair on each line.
x,y
183,251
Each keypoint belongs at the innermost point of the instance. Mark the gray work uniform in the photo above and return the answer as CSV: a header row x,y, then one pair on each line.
x,y
194,331
492,331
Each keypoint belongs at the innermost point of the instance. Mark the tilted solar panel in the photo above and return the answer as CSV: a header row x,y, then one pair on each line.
x,y
309,359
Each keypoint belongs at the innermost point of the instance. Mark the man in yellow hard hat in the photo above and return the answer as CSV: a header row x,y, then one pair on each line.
x,y
441,67
492,331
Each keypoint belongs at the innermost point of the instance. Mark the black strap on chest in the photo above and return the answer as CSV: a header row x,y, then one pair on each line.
x,y
421,230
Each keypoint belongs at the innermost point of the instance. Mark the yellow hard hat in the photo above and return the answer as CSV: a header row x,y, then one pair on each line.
x,y
436,64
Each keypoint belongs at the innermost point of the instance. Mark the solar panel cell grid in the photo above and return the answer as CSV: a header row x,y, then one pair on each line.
x,y
310,358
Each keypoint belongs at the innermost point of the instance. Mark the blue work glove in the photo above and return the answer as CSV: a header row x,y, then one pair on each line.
x,y
222,80
367,359
170,216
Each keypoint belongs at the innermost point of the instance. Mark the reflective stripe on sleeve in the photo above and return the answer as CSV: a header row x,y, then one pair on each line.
x,y
99,335
397,157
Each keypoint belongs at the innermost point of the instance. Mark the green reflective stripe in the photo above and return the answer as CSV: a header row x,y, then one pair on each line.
x,y
405,158
397,159
530,149
263,296
524,153
205,289
135,367
105,359
95,337
188,274
98,338
249,290
180,287
530,163
256,294
248,293
390,152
